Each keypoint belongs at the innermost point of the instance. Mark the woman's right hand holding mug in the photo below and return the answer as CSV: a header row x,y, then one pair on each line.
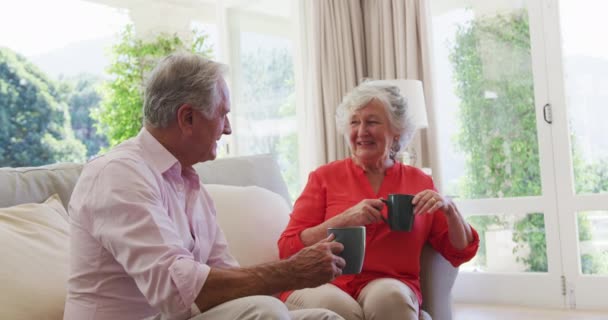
x,y
365,212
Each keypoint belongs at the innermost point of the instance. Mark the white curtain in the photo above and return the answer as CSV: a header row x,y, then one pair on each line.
x,y
346,41
334,63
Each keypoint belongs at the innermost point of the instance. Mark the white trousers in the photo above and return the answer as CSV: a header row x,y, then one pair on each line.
x,y
381,299
263,308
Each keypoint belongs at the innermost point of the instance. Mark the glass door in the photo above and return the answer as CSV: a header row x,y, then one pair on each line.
x,y
496,156
579,90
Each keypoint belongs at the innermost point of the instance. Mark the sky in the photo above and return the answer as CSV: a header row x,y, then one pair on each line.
x,y
583,27
34,27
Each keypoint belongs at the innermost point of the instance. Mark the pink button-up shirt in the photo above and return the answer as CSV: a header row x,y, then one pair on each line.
x,y
143,236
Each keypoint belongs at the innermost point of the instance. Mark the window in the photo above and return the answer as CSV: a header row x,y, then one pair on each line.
x,y
519,108
45,114
254,39
264,107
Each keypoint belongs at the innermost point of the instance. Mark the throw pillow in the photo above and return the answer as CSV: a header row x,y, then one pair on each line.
x,y
34,267
252,219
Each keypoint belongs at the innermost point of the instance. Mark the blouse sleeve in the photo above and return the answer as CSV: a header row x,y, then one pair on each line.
x,y
308,211
440,240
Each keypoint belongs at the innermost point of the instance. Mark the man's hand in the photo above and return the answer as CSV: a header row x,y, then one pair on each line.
x,y
317,264
313,266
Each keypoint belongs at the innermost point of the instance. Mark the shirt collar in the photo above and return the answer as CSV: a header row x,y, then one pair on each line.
x,y
163,160
160,158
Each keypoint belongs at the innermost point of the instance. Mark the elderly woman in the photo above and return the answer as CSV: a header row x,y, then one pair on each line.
x,y
374,119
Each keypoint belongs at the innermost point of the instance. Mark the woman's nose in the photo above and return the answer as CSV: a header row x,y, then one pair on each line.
x,y
362,129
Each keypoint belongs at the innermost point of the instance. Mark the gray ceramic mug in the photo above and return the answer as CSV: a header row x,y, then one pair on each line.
x,y
400,212
353,239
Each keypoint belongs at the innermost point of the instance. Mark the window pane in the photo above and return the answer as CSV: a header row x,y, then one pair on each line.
x,y
486,115
509,243
586,79
593,241
265,111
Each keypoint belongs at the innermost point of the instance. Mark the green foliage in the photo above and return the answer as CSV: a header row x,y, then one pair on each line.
x,y
120,113
592,177
82,97
594,263
529,232
584,226
34,121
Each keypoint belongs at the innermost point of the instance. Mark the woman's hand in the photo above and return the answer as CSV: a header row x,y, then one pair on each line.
x,y
429,201
459,231
365,212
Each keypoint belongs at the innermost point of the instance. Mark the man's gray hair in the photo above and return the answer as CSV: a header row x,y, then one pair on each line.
x,y
394,102
182,78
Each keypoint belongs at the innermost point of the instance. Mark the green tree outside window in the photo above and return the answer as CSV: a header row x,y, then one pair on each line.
x,y
34,119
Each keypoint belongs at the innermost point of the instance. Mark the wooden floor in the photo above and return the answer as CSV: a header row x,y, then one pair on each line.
x,y
490,312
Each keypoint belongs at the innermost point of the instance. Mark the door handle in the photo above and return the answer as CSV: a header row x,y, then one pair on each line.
x,y
548,113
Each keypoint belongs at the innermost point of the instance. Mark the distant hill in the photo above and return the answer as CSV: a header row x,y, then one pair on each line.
x,y
88,56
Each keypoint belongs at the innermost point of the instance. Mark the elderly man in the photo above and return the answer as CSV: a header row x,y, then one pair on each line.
x,y
145,243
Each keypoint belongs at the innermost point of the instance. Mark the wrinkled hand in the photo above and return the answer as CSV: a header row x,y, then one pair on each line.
x,y
365,212
428,201
317,264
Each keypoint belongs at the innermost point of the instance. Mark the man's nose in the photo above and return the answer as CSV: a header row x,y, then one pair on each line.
x,y
227,127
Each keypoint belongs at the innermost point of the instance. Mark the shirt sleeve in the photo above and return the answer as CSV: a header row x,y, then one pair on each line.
x,y
440,241
308,211
126,215
220,257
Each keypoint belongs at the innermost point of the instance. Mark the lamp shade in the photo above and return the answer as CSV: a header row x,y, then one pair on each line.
x,y
412,91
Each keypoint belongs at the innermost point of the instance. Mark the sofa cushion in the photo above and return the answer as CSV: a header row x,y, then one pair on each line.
x,y
36,184
252,219
34,255
256,170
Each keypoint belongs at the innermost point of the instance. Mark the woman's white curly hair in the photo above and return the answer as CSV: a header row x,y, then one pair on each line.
x,y
394,102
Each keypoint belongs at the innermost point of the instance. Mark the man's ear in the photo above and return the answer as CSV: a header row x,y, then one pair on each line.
x,y
184,118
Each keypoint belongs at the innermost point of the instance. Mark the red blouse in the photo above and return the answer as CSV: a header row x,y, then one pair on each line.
x,y
337,186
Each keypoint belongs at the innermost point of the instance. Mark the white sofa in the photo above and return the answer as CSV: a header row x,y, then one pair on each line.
x,y
253,208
